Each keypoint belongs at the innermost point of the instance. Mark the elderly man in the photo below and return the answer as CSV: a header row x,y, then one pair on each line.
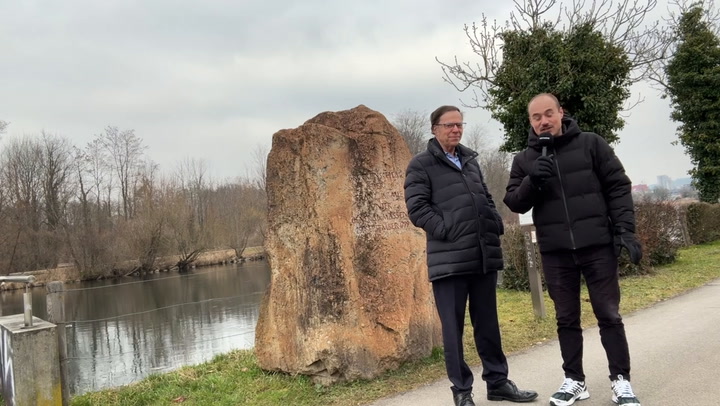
x,y
447,197
583,213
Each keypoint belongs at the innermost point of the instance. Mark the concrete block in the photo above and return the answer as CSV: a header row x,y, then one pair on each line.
x,y
29,362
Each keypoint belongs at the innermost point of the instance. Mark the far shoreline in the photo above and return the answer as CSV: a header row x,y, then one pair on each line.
x,y
69,274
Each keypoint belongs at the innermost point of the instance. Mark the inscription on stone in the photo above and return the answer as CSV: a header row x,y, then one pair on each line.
x,y
379,212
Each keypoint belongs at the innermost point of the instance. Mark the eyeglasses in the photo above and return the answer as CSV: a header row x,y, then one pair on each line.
x,y
449,126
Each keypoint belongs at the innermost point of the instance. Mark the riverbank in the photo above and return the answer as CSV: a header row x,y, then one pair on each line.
x,y
235,378
67,273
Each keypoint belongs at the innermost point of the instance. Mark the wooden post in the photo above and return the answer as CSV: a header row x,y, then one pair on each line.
x,y
56,315
536,291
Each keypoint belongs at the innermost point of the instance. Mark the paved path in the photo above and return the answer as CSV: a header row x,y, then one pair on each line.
x,y
674,348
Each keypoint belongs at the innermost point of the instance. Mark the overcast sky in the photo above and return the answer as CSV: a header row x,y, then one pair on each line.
x,y
214,79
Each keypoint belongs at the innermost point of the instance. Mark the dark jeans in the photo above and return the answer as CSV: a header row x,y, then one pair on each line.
x,y
451,297
599,266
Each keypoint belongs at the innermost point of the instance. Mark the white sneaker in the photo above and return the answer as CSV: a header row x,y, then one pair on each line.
x,y
570,391
623,393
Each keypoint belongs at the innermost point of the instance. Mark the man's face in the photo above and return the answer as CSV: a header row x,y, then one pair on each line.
x,y
450,137
545,116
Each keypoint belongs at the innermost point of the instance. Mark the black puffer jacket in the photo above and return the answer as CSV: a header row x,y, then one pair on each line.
x,y
456,211
579,205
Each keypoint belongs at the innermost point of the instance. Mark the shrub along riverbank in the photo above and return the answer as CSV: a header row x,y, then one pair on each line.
x,y
69,274
235,379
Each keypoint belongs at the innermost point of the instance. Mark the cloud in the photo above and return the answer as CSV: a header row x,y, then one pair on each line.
x,y
213,79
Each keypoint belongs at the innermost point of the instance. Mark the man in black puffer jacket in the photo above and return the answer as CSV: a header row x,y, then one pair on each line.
x,y
583,214
447,197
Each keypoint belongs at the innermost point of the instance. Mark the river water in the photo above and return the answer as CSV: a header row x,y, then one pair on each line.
x,y
121,331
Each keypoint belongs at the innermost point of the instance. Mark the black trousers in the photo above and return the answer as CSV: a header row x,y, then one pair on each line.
x,y
599,266
451,298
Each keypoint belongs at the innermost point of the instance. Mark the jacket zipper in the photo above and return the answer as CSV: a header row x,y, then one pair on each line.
x,y
564,199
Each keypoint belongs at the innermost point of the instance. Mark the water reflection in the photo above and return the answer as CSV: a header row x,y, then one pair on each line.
x,y
120,332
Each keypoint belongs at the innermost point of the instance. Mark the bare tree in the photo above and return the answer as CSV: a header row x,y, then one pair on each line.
x,y
656,195
475,137
124,150
80,165
189,202
58,184
3,126
80,235
21,163
414,127
494,164
241,213
259,169
56,167
193,180
259,199
687,191
99,169
621,22
106,205
146,231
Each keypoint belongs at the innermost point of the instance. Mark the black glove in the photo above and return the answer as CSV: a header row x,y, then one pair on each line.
x,y
542,169
627,239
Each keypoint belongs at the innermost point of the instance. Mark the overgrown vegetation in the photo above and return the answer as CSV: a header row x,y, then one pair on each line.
x,y
703,221
515,274
662,228
105,205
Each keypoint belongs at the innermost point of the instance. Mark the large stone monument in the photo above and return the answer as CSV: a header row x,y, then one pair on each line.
x,y
349,295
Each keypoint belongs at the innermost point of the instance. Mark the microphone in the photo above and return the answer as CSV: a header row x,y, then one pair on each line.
x,y
544,140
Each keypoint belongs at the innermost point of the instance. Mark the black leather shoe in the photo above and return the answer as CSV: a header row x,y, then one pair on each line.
x,y
510,392
463,399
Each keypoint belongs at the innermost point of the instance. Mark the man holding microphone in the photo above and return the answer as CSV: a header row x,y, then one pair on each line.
x,y
583,214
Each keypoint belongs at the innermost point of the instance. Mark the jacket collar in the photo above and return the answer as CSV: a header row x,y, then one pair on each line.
x,y
570,130
462,151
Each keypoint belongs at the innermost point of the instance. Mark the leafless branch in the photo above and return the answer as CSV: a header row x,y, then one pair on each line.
x,y
484,43
622,22
665,36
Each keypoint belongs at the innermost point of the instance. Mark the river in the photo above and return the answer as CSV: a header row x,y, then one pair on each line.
x,y
120,331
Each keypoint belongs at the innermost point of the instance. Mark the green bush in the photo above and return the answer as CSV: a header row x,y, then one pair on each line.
x,y
659,227
703,222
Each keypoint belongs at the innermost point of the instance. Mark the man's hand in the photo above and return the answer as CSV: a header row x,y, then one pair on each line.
x,y
627,239
543,168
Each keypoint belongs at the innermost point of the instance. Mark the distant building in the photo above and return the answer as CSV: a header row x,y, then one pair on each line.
x,y
665,182
679,183
641,188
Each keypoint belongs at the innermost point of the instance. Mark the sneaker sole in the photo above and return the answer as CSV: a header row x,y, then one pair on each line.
x,y
580,396
615,400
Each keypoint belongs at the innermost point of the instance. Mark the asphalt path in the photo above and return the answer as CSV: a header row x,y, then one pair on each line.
x,y
674,350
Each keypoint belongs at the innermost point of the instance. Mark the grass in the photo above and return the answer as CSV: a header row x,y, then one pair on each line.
x,y
235,379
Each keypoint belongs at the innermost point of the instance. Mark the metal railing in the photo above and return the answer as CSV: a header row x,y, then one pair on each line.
x,y
27,296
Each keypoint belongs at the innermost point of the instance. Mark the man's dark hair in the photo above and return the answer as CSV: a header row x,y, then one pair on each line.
x,y
435,115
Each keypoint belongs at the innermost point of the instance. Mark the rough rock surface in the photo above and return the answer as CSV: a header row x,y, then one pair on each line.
x,y
349,296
